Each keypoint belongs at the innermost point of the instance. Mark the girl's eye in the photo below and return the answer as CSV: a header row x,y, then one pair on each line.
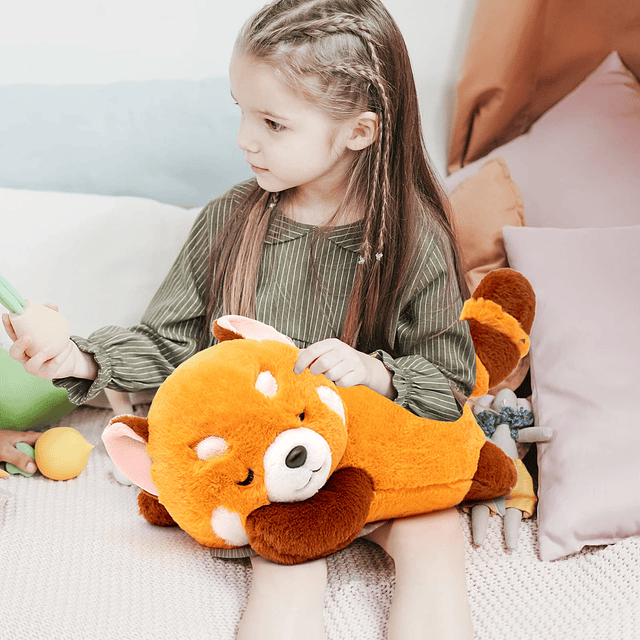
x,y
275,126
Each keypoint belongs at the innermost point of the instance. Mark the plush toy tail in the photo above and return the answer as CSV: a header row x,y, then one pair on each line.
x,y
500,315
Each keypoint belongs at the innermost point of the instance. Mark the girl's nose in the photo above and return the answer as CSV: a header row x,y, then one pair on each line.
x,y
246,141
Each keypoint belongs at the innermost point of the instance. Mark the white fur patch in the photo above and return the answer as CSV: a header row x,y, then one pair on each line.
x,y
228,526
292,484
266,384
332,400
210,447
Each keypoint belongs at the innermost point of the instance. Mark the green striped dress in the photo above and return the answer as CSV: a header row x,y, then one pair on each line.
x,y
427,377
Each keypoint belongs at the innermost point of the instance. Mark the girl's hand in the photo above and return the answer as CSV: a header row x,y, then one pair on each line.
x,y
65,360
9,453
345,366
47,328
69,363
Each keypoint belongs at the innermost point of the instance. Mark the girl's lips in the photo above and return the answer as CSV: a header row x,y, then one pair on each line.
x,y
257,169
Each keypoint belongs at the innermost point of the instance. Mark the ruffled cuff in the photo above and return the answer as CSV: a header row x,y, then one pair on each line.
x,y
80,390
399,381
421,387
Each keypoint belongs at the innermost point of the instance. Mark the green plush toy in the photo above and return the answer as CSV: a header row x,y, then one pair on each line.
x,y
26,402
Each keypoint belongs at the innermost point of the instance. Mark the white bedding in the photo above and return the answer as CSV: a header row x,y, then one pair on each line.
x,y
78,562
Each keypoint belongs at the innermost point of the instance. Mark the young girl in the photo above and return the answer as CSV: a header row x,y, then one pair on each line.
x,y
343,243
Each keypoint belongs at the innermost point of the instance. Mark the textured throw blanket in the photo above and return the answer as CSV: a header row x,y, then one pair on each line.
x,y
78,562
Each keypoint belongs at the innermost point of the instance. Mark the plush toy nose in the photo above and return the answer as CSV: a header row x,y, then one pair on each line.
x,y
296,457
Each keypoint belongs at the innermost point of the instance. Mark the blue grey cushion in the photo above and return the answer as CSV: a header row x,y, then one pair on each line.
x,y
170,140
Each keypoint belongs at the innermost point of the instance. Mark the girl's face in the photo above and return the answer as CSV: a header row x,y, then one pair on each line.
x,y
289,143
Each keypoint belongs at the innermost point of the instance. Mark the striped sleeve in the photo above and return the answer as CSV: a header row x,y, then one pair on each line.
x,y
142,356
438,361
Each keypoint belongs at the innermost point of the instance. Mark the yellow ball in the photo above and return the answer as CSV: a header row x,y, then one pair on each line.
x,y
62,453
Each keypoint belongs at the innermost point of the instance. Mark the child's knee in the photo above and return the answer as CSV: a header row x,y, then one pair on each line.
x,y
429,534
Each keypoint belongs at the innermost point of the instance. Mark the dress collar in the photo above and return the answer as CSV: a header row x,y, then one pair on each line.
x,y
347,236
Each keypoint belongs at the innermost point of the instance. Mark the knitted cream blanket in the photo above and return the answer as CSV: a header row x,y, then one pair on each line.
x,y
78,563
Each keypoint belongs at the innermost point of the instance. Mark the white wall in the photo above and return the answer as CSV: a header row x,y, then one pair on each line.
x,y
100,41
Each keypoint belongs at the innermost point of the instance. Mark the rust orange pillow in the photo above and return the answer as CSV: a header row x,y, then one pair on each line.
x,y
482,204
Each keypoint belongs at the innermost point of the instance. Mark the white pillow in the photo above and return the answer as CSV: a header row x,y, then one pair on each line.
x,y
99,258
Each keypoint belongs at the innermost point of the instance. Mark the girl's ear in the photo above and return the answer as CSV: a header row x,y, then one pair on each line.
x,y
364,131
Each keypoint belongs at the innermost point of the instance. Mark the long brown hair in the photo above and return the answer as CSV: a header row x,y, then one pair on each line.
x,y
345,56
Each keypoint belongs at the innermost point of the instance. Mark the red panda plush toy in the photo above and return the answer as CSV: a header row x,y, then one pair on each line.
x,y
239,450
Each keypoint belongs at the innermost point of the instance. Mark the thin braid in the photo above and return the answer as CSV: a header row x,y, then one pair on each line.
x,y
358,70
315,28
362,30
383,146
339,24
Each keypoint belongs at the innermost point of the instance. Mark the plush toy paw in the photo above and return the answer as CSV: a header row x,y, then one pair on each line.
x,y
153,512
496,474
295,532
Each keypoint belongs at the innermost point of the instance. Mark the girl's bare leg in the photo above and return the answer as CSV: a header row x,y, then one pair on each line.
x,y
431,599
286,602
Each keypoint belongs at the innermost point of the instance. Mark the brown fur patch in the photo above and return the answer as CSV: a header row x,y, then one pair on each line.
x,y
499,355
140,426
153,511
495,476
513,292
223,333
294,532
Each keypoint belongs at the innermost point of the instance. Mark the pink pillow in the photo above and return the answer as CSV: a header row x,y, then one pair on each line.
x,y
578,165
585,352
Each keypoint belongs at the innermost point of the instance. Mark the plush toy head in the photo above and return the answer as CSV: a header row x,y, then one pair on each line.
x,y
233,429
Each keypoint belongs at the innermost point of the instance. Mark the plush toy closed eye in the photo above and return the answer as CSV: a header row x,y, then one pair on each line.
x,y
237,449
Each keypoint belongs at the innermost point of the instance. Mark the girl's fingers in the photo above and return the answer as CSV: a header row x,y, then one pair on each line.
x,y
338,371
350,379
324,363
39,364
18,350
36,364
51,305
312,353
20,460
8,327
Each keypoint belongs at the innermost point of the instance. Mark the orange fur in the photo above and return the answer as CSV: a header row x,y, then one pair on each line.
x,y
416,464
385,462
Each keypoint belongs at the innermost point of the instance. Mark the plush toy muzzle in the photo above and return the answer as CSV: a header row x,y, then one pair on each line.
x,y
296,465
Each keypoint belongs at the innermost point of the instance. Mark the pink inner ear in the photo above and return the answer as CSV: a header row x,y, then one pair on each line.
x,y
253,329
129,453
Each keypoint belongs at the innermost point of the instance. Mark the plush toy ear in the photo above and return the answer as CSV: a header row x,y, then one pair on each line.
x,y
126,442
236,327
